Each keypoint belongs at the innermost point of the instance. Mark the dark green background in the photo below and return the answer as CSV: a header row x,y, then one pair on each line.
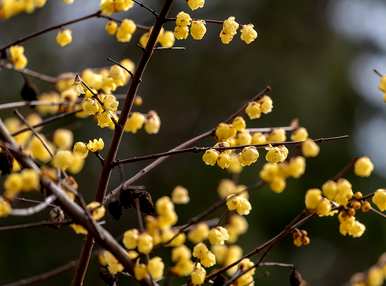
x,y
298,53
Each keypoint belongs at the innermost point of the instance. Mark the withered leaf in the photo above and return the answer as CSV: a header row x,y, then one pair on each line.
x,y
6,160
29,91
115,209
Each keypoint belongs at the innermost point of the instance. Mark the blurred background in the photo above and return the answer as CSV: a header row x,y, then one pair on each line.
x,y
318,57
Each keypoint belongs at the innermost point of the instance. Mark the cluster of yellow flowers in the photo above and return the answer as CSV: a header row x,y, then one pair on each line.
x,y
190,252
10,8
375,276
338,197
275,174
181,30
109,7
229,30
17,57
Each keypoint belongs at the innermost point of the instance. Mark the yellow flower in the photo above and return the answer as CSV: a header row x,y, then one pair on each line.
x,y
363,167
218,235
310,148
125,31
13,184
80,149
95,145
5,207
198,233
130,238
181,32
239,204
198,275
296,167
299,134
180,195
277,135
152,122
38,150
224,160
145,243
111,27
330,189
181,252
134,122
198,29
324,207
248,33
90,106
253,110
17,57
248,156
109,260
30,179
140,271
313,198
63,138
379,199
276,154
196,4
167,39
183,19
266,104
225,131
230,26
63,159
64,37
109,7
155,267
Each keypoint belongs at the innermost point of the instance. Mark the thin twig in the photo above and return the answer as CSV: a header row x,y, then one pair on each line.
x,y
152,11
46,30
202,149
32,73
37,135
378,212
33,225
35,209
40,278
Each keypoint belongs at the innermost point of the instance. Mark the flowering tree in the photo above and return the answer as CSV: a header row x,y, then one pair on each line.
x,y
203,250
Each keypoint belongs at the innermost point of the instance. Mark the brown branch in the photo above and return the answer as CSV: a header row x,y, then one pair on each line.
x,y
33,225
118,132
202,149
32,73
40,278
37,135
46,30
